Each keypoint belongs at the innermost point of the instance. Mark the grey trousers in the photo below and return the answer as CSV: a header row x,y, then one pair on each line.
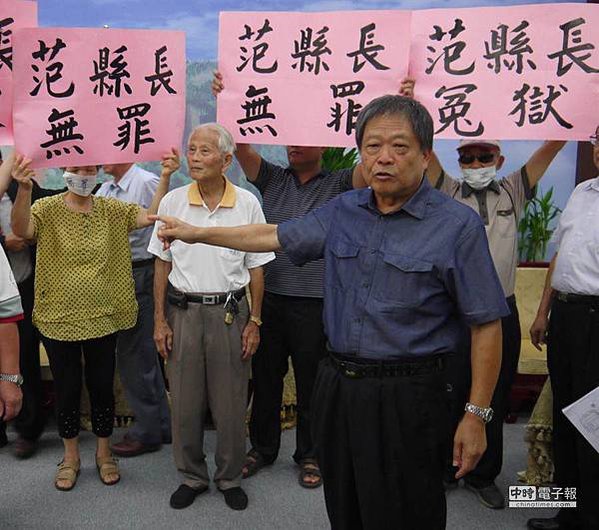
x,y
205,369
139,368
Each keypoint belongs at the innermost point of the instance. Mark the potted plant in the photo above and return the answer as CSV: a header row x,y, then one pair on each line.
x,y
336,158
534,228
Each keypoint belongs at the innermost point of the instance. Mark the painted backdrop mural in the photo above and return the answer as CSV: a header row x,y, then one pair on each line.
x,y
199,20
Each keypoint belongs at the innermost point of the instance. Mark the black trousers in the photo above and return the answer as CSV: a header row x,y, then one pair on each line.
x,y
30,422
573,360
292,326
65,363
459,378
381,446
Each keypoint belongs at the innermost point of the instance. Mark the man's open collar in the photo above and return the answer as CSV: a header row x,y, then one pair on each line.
x,y
468,190
414,206
227,201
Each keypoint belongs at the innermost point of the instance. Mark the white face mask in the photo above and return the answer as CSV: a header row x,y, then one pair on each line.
x,y
78,184
479,178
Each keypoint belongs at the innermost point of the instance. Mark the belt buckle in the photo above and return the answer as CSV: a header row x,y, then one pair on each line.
x,y
352,374
210,299
562,297
349,372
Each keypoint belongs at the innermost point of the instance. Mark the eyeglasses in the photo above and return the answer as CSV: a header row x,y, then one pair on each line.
x,y
483,158
594,140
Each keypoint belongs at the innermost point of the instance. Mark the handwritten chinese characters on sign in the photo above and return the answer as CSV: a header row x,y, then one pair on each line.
x,y
14,14
301,78
504,72
93,96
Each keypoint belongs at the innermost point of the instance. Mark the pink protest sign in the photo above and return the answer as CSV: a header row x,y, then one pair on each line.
x,y
506,72
95,96
302,78
14,14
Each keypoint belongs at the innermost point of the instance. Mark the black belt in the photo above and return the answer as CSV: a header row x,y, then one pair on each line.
x,y
176,297
394,368
142,263
571,298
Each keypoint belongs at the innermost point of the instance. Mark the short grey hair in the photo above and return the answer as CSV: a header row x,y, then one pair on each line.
x,y
414,112
226,144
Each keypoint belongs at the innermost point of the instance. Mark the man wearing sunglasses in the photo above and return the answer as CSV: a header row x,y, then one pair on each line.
x,y
499,202
571,294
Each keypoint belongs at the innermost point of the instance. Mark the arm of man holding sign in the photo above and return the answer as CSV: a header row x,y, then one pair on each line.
x,y
250,160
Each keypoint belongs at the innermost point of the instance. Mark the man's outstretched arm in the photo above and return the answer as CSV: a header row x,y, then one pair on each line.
x,y
248,238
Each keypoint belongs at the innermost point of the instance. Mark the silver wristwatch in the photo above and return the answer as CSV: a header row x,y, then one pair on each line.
x,y
17,379
484,414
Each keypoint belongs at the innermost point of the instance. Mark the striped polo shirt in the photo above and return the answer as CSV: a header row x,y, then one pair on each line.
x,y
284,198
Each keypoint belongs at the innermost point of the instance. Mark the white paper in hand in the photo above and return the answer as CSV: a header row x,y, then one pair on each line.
x,y
584,415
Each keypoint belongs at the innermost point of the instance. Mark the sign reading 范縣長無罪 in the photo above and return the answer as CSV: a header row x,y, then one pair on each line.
x,y
93,96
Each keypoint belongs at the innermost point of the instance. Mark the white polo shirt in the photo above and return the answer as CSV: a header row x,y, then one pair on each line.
x,y
10,300
200,268
577,236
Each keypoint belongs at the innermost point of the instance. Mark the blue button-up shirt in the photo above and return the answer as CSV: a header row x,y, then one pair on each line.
x,y
398,285
137,186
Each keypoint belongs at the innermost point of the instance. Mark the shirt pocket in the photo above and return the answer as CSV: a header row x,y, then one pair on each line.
x,y
345,268
234,257
506,223
404,281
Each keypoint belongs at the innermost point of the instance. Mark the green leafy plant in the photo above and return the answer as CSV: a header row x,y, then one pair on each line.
x,y
335,158
534,229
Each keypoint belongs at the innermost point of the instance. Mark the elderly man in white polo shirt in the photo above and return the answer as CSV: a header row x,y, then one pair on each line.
x,y
202,322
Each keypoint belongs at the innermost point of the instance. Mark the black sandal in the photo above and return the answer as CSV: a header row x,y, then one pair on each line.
x,y
309,468
254,462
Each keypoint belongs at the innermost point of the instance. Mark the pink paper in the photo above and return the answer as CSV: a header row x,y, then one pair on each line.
x,y
471,100
494,89
292,99
14,14
96,96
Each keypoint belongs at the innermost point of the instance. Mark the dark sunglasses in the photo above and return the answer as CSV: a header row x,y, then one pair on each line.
x,y
483,158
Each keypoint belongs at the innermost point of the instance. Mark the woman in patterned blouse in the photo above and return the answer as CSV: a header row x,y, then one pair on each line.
x,y
84,294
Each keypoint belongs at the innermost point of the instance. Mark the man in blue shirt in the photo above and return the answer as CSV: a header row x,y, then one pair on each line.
x,y
403,265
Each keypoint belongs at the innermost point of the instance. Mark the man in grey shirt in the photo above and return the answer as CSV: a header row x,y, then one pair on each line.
x,y
499,202
137,357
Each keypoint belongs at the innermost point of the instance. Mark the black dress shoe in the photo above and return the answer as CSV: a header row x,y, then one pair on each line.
x,y
489,496
24,448
236,498
550,523
185,495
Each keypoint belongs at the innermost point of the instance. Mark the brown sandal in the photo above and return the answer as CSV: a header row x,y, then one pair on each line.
x,y
309,468
254,462
67,471
107,465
